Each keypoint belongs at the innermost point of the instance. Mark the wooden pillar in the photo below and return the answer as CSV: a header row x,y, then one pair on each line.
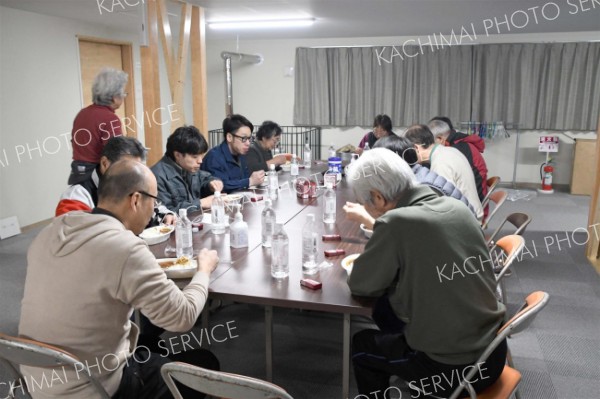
x,y
180,67
593,246
151,87
129,104
176,57
199,86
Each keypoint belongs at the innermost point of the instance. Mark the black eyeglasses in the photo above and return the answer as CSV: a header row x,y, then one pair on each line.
x,y
157,202
243,139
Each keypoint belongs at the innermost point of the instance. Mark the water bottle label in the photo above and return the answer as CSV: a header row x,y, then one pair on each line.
x,y
269,227
330,206
239,239
309,247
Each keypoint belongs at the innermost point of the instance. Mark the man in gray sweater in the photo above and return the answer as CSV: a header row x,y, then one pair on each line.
x,y
87,272
428,265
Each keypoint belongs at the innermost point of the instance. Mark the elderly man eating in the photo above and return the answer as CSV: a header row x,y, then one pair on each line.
x,y
428,265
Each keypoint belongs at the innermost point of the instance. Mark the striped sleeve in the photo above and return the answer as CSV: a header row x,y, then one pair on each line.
x,y
75,198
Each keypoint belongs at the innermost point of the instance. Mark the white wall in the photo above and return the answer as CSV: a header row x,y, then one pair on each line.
x,y
263,92
40,96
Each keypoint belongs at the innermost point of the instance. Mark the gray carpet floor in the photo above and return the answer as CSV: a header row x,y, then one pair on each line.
x,y
559,355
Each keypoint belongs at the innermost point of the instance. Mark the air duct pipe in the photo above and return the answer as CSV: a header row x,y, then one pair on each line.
x,y
227,58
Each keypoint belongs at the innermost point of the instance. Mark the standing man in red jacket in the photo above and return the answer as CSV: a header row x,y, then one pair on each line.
x,y
471,146
97,123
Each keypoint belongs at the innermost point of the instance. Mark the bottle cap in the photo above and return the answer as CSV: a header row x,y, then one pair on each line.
x,y
217,193
272,166
182,212
310,217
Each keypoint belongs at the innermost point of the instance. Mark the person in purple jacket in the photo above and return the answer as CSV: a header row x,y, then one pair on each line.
x,y
382,127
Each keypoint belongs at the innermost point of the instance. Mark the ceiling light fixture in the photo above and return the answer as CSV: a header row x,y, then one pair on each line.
x,y
262,24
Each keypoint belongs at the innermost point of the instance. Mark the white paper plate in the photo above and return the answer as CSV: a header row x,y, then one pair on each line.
x,y
368,233
348,262
179,271
157,234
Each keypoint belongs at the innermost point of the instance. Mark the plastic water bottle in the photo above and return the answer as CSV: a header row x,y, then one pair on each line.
x,y
276,150
332,151
354,158
273,182
183,235
280,266
268,223
238,231
307,155
294,166
330,204
367,147
310,246
217,212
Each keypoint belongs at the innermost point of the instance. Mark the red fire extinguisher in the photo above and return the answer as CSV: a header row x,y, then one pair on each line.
x,y
546,171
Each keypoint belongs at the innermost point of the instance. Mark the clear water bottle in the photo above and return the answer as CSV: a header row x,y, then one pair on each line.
x,y
354,158
307,155
183,235
268,223
330,204
238,231
310,246
217,212
294,166
332,151
280,266
367,147
276,150
273,180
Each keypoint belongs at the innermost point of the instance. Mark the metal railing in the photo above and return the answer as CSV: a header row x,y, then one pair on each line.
x,y
292,139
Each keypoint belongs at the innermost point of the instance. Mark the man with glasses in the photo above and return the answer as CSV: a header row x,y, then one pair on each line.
x,y
83,196
87,272
260,156
382,127
181,183
227,161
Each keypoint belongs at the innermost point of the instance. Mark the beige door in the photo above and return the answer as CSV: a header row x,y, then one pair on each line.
x,y
95,55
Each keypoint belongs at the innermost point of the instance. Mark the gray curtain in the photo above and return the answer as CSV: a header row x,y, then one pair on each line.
x,y
539,86
349,86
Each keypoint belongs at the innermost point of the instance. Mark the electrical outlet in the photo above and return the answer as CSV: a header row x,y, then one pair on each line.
x,y
9,227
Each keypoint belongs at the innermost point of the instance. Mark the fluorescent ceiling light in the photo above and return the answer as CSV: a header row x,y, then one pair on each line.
x,y
262,24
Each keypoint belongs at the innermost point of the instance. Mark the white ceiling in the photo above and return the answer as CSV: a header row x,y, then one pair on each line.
x,y
349,18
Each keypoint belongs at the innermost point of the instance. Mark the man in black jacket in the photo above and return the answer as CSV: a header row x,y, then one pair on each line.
x,y
181,183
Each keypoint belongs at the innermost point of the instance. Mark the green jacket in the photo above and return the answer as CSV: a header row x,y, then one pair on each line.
x,y
429,255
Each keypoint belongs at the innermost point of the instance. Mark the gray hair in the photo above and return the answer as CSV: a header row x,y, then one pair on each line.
x,y
108,83
382,170
439,128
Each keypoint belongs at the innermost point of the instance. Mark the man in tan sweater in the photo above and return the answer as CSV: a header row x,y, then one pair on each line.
x,y
86,273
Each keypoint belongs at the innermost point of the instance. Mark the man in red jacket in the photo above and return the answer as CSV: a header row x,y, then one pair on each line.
x,y
471,146
97,123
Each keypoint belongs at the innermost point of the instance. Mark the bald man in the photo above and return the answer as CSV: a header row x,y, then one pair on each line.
x,y
87,272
